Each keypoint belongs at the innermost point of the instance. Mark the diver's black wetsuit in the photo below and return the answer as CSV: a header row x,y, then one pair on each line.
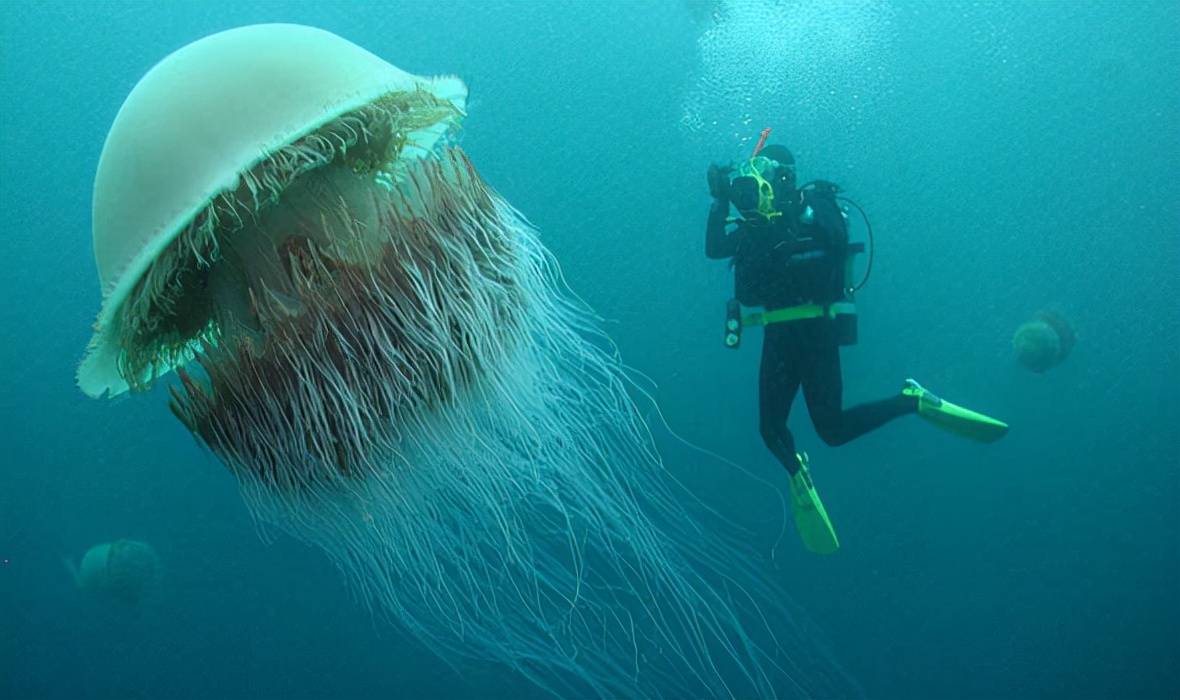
x,y
787,263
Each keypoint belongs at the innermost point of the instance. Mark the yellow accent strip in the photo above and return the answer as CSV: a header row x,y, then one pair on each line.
x,y
798,313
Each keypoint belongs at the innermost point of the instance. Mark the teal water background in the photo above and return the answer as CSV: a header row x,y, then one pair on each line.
x,y
1012,157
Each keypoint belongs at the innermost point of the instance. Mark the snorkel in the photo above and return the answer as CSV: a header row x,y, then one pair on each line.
x,y
761,142
757,195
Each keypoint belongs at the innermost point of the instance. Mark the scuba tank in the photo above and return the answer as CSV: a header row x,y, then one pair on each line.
x,y
808,217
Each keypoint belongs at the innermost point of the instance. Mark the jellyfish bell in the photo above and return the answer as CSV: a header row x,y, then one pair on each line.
x,y
1044,341
123,570
381,351
202,140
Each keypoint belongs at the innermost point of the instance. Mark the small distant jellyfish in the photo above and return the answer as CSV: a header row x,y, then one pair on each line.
x,y
123,570
1043,342
382,352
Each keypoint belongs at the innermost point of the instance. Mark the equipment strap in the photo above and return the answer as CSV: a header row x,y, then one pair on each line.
x,y
798,313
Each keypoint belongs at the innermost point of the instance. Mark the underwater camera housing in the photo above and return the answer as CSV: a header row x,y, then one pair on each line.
x,y
743,193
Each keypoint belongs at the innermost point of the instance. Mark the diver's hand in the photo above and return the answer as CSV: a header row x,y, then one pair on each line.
x,y
719,181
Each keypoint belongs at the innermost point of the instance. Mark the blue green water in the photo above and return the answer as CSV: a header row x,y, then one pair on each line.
x,y
1012,157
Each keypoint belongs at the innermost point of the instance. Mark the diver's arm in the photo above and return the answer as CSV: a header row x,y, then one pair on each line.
x,y
719,243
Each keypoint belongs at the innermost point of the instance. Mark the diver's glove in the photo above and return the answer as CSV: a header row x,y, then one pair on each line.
x,y
719,182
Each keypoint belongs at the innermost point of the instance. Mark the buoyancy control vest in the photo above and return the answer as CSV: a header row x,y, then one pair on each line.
x,y
798,258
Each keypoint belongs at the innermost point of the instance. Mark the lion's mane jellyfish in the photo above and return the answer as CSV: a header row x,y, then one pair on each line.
x,y
123,570
383,354
1043,342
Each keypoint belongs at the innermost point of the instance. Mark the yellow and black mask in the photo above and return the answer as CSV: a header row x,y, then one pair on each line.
x,y
756,184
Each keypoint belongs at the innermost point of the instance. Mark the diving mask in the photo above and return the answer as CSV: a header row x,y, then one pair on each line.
x,y
752,190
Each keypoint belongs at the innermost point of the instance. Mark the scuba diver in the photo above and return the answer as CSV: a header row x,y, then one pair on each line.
x,y
791,256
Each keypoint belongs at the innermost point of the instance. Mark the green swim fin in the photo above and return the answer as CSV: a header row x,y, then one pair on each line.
x,y
952,418
815,528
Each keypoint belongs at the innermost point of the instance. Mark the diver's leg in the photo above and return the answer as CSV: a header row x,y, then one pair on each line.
x,y
823,389
782,358
778,382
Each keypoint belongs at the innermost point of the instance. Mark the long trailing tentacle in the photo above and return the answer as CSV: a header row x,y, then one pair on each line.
x,y
456,433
